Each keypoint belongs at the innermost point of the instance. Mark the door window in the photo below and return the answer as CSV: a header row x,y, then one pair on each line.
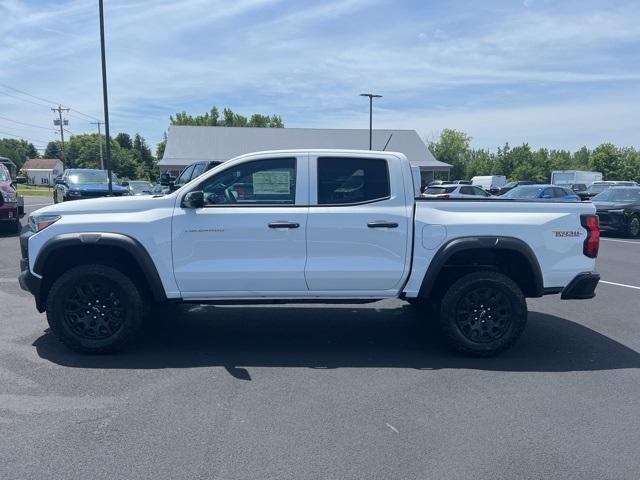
x,y
261,182
352,180
198,170
185,176
479,192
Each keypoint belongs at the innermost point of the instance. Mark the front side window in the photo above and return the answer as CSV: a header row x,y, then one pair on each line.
x,y
352,180
185,176
198,170
261,182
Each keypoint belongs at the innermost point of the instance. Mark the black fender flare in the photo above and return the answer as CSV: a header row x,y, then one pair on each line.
x,y
446,251
125,242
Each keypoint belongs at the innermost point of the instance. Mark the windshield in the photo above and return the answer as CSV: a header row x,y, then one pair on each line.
x,y
523,192
439,190
511,184
598,187
139,187
4,176
91,177
621,195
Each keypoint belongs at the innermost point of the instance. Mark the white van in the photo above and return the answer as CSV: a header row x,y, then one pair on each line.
x,y
569,177
489,182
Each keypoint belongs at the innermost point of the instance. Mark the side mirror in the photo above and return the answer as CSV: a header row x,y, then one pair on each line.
x,y
21,180
193,200
165,179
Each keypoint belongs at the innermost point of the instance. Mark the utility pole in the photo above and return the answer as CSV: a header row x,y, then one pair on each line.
x,y
105,97
62,123
371,97
100,143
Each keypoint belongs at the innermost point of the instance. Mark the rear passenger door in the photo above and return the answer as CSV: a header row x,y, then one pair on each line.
x,y
358,225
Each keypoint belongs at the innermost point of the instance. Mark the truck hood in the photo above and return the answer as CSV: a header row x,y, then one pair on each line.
x,y
109,205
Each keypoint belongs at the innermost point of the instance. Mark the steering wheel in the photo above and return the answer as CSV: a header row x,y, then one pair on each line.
x,y
229,196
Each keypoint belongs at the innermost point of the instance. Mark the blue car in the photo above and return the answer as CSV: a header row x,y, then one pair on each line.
x,y
79,183
542,192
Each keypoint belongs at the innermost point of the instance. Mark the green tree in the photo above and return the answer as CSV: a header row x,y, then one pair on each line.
x,y
607,158
229,119
451,147
124,140
17,150
147,164
53,150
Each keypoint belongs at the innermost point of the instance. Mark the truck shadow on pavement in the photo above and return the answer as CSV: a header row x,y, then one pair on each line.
x,y
332,337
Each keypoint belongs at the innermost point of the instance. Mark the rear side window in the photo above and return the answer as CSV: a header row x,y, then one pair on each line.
x,y
352,180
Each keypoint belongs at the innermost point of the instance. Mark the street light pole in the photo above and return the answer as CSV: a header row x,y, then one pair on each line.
x,y
104,95
371,97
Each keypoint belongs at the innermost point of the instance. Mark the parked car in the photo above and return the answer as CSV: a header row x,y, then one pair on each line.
x,y
455,191
187,174
139,187
81,183
542,192
335,226
490,183
511,185
598,187
9,213
579,189
618,209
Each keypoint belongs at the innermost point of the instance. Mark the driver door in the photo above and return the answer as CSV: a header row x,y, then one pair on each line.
x,y
249,239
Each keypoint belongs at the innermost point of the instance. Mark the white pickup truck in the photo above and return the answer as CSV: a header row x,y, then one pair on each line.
x,y
316,226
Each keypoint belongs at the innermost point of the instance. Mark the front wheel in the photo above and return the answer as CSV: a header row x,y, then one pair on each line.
x,y
94,309
483,313
633,228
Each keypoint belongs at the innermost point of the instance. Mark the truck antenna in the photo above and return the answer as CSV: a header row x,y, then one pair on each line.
x,y
387,144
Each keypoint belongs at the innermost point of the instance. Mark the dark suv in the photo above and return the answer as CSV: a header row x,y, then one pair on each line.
x,y
187,174
8,200
78,183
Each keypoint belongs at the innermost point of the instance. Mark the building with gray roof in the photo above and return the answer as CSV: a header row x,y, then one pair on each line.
x,y
188,144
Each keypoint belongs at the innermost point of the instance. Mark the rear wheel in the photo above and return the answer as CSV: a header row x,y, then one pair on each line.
x,y
483,313
633,227
94,309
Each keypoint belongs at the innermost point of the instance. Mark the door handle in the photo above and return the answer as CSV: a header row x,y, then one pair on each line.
x,y
382,224
284,225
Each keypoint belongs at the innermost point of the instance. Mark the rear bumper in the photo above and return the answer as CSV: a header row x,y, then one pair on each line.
x,y
582,287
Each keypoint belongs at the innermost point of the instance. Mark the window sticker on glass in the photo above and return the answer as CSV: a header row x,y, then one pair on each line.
x,y
271,183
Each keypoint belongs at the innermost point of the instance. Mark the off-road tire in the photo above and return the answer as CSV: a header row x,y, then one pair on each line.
x,y
124,305
496,326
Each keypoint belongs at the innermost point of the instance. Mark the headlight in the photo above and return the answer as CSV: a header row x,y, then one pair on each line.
x,y
9,197
74,193
38,223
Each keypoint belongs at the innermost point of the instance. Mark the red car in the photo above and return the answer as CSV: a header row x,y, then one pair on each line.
x,y
8,200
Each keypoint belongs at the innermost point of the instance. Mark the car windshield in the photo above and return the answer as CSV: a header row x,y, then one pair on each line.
x,y
621,195
4,176
140,187
511,185
439,190
91,177
598,187
523,192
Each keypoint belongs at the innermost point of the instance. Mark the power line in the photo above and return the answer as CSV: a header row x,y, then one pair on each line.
x,y
27,124
25,138
25,100
43,99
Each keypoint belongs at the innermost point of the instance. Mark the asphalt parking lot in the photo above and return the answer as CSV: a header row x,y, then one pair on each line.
x,y
334,392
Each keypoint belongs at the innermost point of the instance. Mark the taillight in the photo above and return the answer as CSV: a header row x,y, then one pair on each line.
x,y
592,242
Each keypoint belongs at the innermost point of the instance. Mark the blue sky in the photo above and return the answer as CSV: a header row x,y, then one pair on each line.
x,y
557,74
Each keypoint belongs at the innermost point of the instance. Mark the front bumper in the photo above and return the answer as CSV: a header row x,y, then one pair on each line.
x,y
28,281
582,287
8,212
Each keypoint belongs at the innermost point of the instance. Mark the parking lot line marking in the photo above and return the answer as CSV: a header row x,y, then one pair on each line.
x,y
620,284
619,241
